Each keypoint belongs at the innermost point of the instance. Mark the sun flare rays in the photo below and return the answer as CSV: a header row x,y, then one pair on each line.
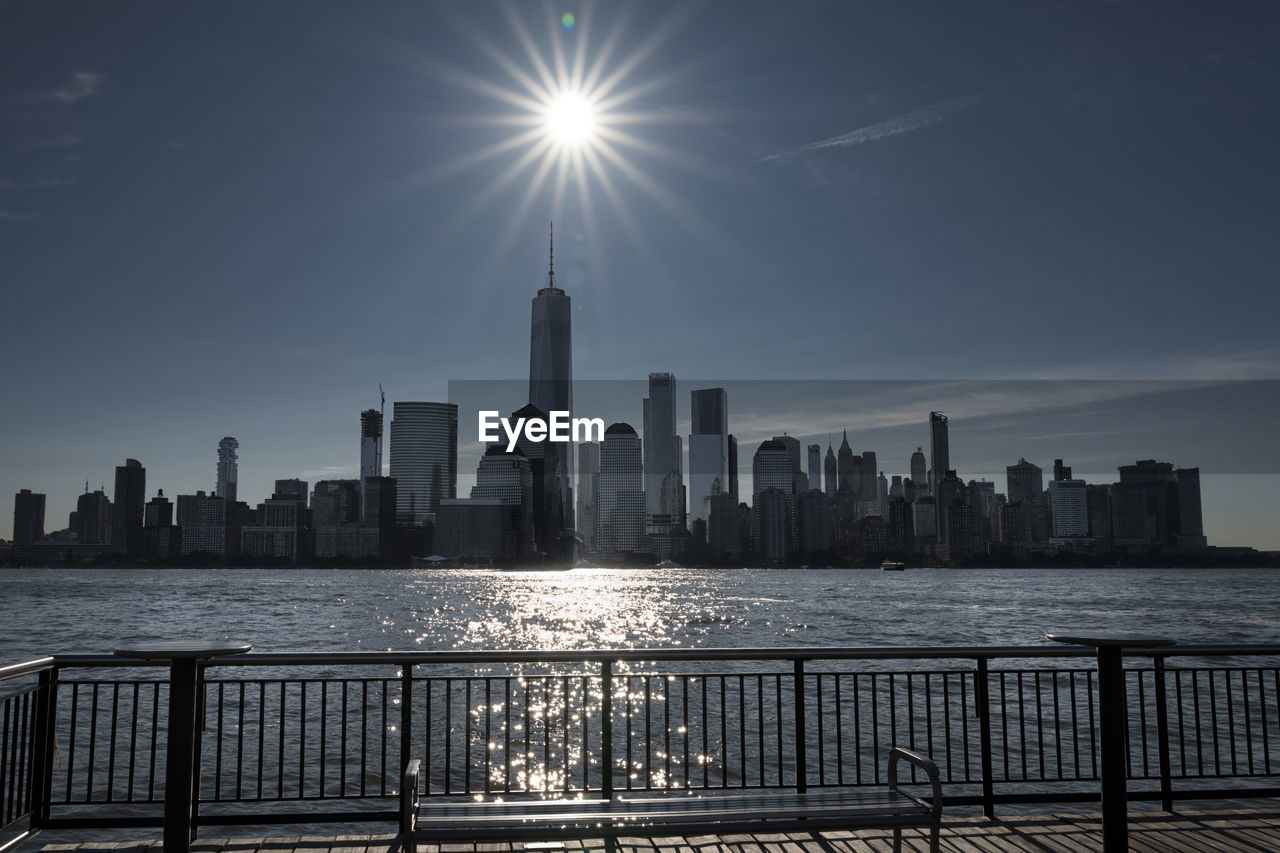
x,y
550,102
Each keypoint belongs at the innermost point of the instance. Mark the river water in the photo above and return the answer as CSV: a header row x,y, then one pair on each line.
x,y
58,610
62,610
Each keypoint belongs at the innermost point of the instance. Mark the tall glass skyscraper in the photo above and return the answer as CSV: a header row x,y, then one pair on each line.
x,y
424,457
661,453
708,450
939,452
620,520
551,366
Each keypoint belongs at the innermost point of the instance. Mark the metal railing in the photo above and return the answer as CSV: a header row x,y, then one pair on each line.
x,y
310,738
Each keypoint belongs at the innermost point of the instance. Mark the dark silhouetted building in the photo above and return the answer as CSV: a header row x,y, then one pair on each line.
x,y
127,508
93,517
939,449
370,447
162,539
203,521
1025,482
28,517
551,370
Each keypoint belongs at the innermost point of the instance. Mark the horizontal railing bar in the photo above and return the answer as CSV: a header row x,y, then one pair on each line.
x,y
14,670
418,657
249,818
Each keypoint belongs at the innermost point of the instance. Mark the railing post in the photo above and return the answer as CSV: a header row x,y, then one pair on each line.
x,y
606,729
406,715
802,771
179,795
1162,736
197,746
982,703
42,745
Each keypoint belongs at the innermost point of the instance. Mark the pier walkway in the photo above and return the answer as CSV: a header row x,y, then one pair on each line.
x,y
1245,831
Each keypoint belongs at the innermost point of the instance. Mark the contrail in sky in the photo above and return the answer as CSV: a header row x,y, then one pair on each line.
x,y
904,123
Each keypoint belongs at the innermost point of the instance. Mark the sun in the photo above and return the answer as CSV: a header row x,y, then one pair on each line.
x,y
570,119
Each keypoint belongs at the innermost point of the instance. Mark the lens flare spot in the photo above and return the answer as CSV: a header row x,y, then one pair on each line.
x,y
566,21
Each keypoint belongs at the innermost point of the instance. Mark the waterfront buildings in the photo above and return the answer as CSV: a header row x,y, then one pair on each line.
x,y
424,458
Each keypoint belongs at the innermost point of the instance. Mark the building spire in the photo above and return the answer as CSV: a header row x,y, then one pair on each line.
x,y
551,266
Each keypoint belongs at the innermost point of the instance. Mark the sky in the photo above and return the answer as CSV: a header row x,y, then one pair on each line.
x,y
238,219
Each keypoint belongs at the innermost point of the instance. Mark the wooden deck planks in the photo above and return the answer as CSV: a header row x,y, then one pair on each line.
x,y
1190,832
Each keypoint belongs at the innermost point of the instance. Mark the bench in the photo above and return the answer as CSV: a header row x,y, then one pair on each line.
x,y
674,813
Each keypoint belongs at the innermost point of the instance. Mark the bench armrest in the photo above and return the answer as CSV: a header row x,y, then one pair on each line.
x,y
409,804
930,769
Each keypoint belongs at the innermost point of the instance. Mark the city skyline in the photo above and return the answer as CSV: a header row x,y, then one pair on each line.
x,y
914,225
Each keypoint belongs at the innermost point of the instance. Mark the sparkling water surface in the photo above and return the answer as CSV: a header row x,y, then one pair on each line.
x,y
61,610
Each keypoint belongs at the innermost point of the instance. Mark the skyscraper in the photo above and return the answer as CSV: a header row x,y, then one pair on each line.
x,y
829,471
588,492
708,450
370,448
228,470
551,366
939,450
424,457
1026,482
771,468
508,477
661,454
620,518
1069,506
127,512
792,444
919,475
846,462
93,516
815,466
733,468
28,517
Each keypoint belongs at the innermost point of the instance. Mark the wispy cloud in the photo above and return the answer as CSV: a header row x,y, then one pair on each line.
x,y
905,123
64,140
42,183
8,214
81,85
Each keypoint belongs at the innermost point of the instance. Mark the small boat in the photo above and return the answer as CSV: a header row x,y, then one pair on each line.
x,y
892,566
668,564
